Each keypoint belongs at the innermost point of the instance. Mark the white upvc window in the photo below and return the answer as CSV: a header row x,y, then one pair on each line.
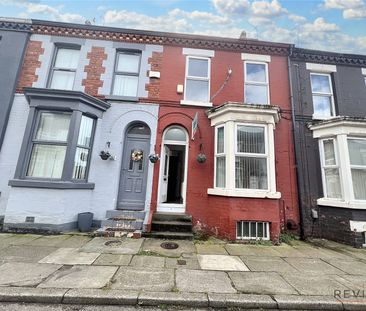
x,y
244,151
252,230
197,81
330,169
322,93
220,157
342,146
256,83
251,156
357,157
64,68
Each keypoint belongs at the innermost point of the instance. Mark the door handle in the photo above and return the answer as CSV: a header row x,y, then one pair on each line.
x,y
165,179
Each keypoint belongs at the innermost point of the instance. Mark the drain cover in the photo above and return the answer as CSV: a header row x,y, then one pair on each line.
x,y
169,245
113,243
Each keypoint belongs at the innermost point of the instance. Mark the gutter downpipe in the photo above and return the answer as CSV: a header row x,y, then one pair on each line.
x,y
302,213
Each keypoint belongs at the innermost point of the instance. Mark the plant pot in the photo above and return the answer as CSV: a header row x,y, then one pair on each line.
x,y
85,221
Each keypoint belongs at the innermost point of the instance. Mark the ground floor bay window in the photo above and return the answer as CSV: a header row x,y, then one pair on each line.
x,y
342,149
244,150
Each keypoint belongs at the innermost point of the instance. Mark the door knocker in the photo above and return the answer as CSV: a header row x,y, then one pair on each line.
x,y
136,155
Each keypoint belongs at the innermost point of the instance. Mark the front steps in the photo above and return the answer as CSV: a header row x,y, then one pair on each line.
x,y
171,226
121,222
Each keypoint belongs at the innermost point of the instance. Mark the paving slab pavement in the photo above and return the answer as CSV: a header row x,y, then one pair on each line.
x,y
148,261
198,281
75,241
267,264
134,278
154,246
348,266
113,260
313,265
25,274
80,277
221,262
70,256
50,240
182,263
25,253
316,285
261,283
113,246
211,249
19,239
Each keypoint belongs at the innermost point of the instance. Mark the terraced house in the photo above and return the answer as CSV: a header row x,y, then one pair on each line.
x,y
329,95
149,131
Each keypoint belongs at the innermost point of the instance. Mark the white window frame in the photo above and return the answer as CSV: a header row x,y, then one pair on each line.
x,y
252,155
219,155
208,79
331,95
324,166
250,237
247,82
352,166
341,131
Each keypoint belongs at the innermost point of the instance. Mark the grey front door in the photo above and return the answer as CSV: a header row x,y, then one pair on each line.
x,y
132,190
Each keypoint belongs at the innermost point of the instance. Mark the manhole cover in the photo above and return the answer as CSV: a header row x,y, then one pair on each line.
x,y
113,243
169,245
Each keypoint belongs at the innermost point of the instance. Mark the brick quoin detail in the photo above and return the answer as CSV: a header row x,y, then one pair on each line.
x,y
94,70
30,65
153,87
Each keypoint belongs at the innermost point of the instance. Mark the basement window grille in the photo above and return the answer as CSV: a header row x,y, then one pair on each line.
x,y
252,230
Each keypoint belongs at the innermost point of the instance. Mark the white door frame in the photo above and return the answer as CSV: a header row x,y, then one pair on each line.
x,y
173,207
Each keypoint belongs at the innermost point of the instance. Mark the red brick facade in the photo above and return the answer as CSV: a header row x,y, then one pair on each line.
x,y
30,65
94,70
153,87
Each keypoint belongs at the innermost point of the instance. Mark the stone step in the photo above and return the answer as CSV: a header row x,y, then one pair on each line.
x,y
172,217
122,224
125,214
169,235
171,226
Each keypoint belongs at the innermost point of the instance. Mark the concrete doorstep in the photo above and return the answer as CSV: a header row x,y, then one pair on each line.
x,y
196,300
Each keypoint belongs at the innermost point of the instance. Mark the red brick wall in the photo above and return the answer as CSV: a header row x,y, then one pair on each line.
x,y
218,214
94,70
31,63
153,87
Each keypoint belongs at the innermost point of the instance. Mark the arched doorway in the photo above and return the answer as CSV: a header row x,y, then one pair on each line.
x,y
173,170
133,180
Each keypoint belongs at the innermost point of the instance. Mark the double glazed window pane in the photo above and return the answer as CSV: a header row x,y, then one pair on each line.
x,y
333,183
256,94
82,154
357,155
220,148
322,106
47,161
125,85
128,63
197,90
250,139
251,173
198,68
320,84
220,172
53,126
67,59
329,154
256,73
62,80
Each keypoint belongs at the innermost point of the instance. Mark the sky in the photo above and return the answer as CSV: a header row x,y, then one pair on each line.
x,y
330,25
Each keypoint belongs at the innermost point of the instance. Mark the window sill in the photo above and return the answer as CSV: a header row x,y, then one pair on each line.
x,y
339,203
195,103
122,98
315,117
50,184
244,193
